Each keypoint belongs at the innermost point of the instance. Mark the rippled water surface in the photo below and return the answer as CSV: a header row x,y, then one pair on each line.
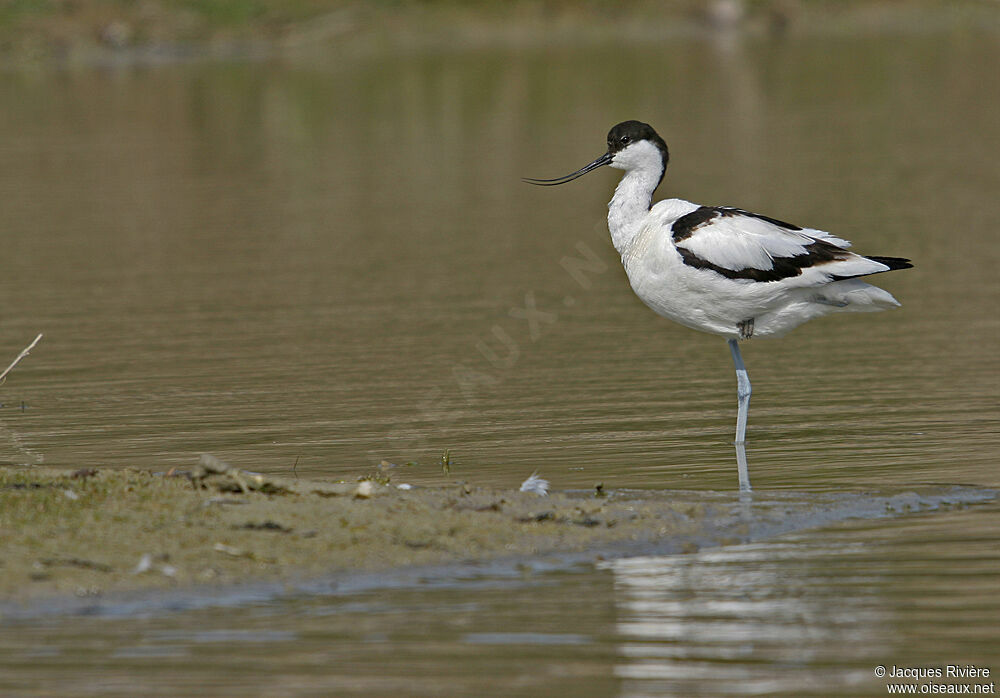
x,y
334,263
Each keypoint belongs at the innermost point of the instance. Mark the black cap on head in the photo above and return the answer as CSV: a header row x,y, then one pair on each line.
x,y
628,132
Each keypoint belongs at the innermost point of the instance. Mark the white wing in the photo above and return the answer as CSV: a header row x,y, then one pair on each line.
x,y
743,245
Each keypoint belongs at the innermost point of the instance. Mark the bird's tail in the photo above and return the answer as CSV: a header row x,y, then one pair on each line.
x,y
854,295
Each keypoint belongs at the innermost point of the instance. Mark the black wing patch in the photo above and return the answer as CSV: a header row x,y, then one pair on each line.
x,y
818,252
685,226
892,262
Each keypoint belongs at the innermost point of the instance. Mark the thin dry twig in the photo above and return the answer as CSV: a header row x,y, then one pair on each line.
x,y
24,352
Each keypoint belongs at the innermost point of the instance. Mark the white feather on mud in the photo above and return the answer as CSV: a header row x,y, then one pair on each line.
x,y
536,485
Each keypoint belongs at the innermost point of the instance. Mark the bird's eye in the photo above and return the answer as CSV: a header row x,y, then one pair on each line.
x,y
625,140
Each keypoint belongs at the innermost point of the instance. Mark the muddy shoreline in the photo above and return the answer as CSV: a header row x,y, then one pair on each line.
x,y
93,534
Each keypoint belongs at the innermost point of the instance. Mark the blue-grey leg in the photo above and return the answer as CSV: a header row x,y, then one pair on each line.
x,y
742,469
742,392
743,395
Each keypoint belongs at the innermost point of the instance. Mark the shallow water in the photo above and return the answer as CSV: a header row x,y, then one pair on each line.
x,y
317,264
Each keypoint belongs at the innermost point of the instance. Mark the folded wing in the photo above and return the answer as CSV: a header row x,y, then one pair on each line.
x,y
741,245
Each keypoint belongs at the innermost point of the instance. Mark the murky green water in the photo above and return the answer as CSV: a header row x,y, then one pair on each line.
x,y
329,263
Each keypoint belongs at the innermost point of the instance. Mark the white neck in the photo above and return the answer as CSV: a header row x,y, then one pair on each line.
x,y
630,204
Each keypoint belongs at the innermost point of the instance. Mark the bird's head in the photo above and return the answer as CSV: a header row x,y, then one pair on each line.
x,y
632,145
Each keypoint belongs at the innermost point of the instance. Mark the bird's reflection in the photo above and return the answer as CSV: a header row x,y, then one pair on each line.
x,y
755,616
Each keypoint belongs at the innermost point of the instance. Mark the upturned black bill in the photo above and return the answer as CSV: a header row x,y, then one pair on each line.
x,y
599,162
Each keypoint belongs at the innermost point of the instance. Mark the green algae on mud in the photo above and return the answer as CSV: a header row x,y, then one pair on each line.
x,y
98,531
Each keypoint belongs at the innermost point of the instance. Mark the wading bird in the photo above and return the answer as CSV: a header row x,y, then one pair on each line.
x,y
725,270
